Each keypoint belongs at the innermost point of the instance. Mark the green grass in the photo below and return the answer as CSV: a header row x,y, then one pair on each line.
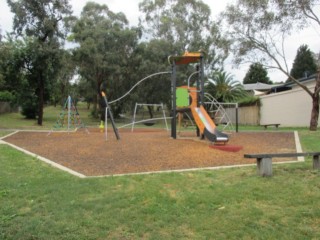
x,y
50,116
4,133
40,202
310,140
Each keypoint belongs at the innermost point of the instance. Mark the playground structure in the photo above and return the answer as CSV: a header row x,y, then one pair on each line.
x,y
206,128
108,110
134,121
219,113
150,121
69,118
205,125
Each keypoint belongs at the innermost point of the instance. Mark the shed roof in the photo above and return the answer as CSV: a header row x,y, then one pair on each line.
x,y
257,86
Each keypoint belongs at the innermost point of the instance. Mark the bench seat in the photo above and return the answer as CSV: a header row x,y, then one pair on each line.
x,y
270,124
264,160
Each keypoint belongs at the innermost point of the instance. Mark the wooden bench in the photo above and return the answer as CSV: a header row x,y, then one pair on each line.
x,y
270,124
264,161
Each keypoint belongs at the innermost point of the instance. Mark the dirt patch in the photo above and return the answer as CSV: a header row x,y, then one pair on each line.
x,y
143,151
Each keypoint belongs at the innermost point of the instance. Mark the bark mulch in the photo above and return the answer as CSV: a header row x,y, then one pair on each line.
x,y
144,151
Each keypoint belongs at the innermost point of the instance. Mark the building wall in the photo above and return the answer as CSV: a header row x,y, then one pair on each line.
x,y
290,108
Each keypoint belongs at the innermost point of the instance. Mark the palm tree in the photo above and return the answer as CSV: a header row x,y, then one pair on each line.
x,y
224,88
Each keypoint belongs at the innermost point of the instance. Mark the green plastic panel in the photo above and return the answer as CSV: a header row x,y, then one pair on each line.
x,y
182,97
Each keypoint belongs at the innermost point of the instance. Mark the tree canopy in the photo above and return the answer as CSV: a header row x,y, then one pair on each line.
x,y
304,63
106,48
224,87
41,25
43,18
256,73
186,25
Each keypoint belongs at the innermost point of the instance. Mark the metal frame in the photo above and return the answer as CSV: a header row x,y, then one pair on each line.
x,y
146,120
187,58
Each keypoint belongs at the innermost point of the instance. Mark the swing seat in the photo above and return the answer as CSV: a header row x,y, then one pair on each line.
x,y
149,123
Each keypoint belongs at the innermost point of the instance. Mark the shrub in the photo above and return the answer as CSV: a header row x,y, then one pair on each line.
x,y
6,96
249,101
29,107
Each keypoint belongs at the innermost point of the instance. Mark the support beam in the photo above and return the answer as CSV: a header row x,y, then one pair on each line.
x,y
316,162
174,102
264,167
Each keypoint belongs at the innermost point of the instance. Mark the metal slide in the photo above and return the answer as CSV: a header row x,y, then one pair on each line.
x,y
207,126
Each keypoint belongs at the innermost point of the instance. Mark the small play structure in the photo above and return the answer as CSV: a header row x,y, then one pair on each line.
x,y
182,95
69,118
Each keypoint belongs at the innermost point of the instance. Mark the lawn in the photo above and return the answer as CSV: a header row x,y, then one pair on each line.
x,y
50,116
41,202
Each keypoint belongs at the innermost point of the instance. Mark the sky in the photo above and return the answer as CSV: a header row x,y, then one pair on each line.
x,y
130,8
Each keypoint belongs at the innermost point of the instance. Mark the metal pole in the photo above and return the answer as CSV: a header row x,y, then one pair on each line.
x,y
106,123
111,116
164,116
174,104
201,76
134,117
69,111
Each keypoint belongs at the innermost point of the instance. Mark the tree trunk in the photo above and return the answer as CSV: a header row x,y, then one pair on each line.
x,y
95,106
314,113
315,106
41,100
150,110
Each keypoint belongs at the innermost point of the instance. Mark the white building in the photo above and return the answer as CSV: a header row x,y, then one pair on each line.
x,y
288,105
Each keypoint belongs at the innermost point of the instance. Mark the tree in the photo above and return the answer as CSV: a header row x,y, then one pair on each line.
x,y
297,13
258,30
106,47
186,25
10,65
224,88
153,59
256,73
304,63
61,87
42,22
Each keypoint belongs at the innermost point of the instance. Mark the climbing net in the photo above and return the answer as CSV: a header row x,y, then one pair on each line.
x,y
69,118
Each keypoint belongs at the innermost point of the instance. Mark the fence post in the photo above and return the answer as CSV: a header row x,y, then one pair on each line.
x,y
237,118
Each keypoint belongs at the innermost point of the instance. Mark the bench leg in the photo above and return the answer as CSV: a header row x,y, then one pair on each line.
x,y
264,167
316,162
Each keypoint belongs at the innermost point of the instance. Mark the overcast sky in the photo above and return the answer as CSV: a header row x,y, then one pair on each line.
x,y
130,9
